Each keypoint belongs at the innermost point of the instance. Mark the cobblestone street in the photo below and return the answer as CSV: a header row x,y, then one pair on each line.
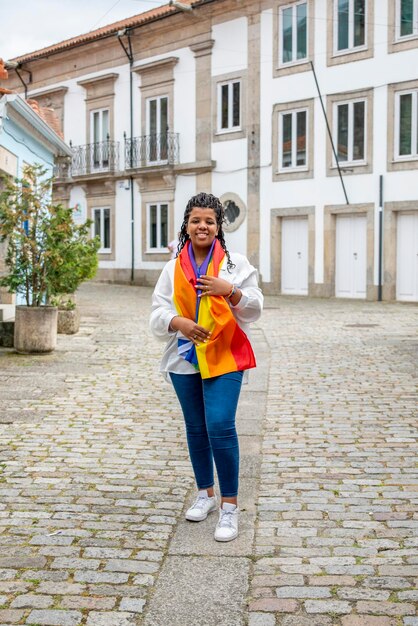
x,y
95,476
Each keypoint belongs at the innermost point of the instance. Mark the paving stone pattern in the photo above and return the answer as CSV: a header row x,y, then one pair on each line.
x,y
94,472
336,539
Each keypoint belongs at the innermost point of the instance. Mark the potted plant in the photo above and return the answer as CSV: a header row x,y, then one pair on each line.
x,y
78,263
47,254
68,314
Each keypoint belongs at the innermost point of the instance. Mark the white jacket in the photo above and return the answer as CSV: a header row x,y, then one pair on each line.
x,y
248,309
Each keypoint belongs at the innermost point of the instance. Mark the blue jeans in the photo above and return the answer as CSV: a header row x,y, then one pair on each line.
x,y
209,407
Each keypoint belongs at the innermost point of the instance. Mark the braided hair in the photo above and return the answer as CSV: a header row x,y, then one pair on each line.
x,y
205,201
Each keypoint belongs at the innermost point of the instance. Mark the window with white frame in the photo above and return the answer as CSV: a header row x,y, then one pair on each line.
x,y
101,227
99,133
350,131
406,125
349,25
157,129
157,230
293,33
293,129
406,18
229,106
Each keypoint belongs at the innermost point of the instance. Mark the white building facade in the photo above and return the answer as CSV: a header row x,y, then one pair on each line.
x,y
226,99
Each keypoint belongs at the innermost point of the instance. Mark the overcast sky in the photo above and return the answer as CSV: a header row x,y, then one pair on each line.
x,y
28,25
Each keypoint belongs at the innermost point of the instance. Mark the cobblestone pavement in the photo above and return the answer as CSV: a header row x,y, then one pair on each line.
x,y
94,471
337,533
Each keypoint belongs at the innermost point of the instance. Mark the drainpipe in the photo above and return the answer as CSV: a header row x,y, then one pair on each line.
x,y
128,51
379,289
14,65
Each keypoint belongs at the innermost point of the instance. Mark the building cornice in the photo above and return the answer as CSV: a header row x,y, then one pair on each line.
x,y
87,82
161,64
202,48
49,91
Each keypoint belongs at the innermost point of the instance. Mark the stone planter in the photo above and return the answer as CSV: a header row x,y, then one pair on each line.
x,y
35,329
68,321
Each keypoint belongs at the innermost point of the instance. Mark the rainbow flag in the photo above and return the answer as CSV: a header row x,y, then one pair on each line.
x,y
228,348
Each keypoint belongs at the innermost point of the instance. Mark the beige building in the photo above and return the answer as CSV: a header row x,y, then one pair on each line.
x,y
229,96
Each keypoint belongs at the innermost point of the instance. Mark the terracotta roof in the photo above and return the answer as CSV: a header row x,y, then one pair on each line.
x,y
48,115
130,22
3,71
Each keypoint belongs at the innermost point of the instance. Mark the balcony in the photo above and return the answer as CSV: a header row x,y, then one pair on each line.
x,y
152,150
95,158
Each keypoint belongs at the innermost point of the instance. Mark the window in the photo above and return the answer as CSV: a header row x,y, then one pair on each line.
x,y
100,139
157,129
229,106
293,139
101,227
406,122
293,33
406,18
157,218
349,131
350,25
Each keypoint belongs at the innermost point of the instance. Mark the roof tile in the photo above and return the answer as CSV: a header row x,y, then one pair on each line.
x,y
129,22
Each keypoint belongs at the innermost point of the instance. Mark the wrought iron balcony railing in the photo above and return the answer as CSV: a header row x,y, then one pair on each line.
x,y
149,150
94,158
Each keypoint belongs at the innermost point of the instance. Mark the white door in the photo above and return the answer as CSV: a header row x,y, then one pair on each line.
x,y
407,258
350,256
295,256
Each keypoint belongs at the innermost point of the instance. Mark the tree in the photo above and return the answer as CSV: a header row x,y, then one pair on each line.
x,y
47,252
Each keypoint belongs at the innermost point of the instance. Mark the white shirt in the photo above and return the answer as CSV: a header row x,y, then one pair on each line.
x,y
248,309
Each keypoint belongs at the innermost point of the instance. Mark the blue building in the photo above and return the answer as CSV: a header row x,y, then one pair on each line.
x,y
25,139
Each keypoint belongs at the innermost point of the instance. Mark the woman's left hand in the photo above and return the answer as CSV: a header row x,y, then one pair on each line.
x,y
213,286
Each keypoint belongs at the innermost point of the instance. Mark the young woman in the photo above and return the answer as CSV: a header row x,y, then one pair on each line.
x,y
203,304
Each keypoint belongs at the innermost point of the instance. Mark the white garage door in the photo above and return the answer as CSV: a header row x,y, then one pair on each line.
x,y
295,256
407,258
350,256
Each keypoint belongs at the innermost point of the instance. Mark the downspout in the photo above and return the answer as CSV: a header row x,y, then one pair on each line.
x,y
379,288
14,65
129,54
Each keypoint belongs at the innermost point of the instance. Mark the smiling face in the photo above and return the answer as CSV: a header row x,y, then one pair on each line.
x,y
202,229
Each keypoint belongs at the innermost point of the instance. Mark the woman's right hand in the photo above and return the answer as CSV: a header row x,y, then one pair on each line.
x,y
190,329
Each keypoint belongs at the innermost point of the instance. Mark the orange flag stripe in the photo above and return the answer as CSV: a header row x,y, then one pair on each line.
x,y
228,349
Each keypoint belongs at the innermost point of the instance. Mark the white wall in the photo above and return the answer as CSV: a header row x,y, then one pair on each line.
x,y
377,73
185,104
229,52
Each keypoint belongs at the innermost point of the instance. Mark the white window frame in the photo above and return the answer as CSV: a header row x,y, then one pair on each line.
x,y
294,34
414,155
414,35
351,48
101,234
294,167
349,162
159,249
231,128
160,131
100,167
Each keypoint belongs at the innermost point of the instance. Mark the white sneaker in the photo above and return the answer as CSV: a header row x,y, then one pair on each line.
x,y
227,528
201,507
